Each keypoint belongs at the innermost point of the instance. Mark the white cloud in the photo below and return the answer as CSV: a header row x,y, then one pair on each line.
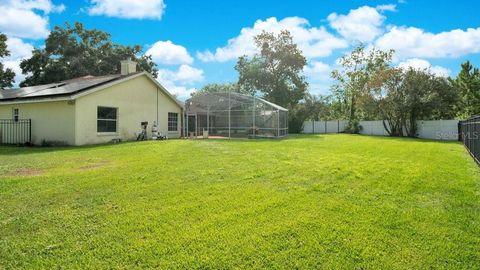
x,y
414,42
128,9
179,82
181,92
15,66
165,52
19,50
317,70
26,18
185,74
362,24
313,41
421,64
189,74
389,7
46,6
318,76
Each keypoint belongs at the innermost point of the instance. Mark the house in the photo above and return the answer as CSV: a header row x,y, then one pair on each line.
x,y
89,110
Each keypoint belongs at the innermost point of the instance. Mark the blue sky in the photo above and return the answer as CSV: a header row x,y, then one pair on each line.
x,y
197,42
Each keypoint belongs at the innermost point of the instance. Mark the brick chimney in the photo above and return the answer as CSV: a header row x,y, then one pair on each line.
x,y
128,67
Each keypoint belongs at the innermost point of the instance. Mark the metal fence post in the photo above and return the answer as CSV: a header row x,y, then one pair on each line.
x,y
469,134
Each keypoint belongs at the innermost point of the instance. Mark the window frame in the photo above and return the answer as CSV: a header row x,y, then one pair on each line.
x,y
108,120
170,120
15,114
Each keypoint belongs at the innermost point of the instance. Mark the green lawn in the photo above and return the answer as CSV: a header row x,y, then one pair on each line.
x,y
334,201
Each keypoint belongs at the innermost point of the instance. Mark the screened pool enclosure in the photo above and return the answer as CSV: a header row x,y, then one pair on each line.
x,y
234,115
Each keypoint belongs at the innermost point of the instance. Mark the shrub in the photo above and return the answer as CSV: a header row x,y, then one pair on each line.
x,y
353,126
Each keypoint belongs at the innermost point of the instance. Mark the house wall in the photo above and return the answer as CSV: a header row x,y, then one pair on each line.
x,y
51,121
137,100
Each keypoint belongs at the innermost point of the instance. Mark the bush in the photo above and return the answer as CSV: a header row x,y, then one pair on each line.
x,y
296,118
353,126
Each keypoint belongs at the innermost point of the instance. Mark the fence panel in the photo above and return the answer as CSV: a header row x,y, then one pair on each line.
x,y
436,129
332,126
373,128
470,136
15,131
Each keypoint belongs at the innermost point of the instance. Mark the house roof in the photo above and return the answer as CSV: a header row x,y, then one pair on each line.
x,y
70,89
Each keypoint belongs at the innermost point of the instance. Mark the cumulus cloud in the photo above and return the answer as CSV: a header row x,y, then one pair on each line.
x,y
185,74
179,82
415,42
317,70
128,9
313,41
19,50
26,19
166,52
318,76
180,91
363,24
421,64
46,6
189,74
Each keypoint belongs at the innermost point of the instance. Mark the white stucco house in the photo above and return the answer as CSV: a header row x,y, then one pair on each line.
x,y
89,110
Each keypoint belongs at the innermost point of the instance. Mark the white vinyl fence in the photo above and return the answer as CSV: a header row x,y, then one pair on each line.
x,y
334,126
436,130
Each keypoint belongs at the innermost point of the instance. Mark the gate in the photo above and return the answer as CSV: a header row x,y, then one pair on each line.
x,y
470,136
15,131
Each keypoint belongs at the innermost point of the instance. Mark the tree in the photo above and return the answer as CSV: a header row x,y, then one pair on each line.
x,y
467,84
427,97
72,52
318,107
391,99
276,71
7,76
404,97
222,88
352,87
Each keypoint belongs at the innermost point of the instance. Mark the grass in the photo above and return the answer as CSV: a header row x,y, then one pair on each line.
x,y
329,201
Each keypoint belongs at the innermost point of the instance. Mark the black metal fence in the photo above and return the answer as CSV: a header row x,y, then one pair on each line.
x,y
470,136
15,131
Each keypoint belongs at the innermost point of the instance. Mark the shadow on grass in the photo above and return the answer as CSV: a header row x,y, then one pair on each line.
x,y
404,139
12,150
25,150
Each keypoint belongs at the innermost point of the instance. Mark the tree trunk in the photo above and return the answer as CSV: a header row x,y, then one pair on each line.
x,y
352,108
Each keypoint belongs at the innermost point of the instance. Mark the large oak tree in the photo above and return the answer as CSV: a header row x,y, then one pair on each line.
x,y
73,51
276,71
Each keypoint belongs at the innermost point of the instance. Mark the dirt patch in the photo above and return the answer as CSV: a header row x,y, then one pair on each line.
x,y
25,172
95,165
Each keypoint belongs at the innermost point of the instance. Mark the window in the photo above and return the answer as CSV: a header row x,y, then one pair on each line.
x,y
16,114
106,119
172,121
